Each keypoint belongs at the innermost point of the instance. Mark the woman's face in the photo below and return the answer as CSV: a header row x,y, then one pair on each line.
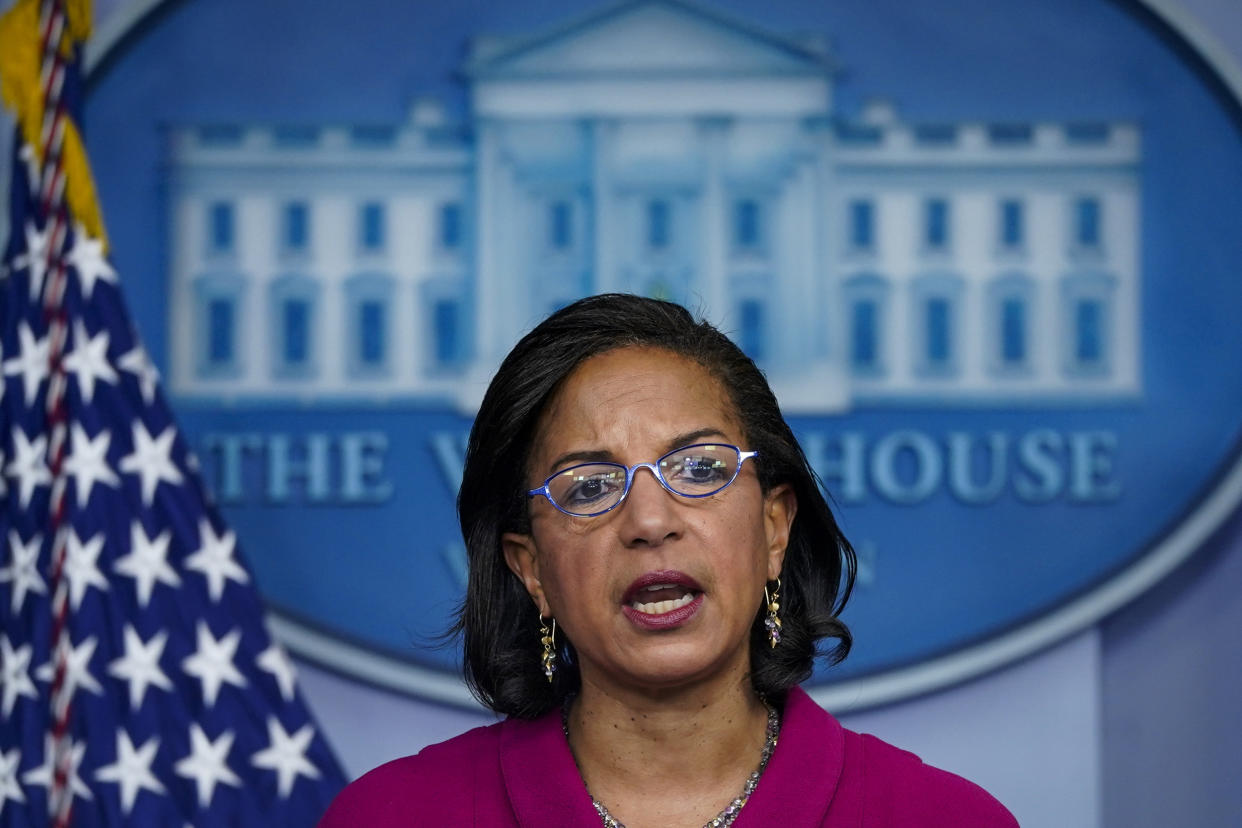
x,y
605,579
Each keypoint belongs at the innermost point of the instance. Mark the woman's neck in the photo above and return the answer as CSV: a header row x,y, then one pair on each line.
x,y
671,758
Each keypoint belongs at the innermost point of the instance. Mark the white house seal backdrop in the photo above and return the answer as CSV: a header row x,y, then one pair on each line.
x,y
983,252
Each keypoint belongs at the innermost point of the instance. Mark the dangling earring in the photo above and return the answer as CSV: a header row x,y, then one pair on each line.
x,y
773,621
548,640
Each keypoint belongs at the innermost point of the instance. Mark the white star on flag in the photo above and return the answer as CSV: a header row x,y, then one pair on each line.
x,y
9,789
88,463
87,257
77,669
274,661
147,562
207,763
14,676
132,769
286,755
89,360
82,567
140,666
42,775
152,460
24,571
35,259
31,362
212,662
29,464
215,559
137,362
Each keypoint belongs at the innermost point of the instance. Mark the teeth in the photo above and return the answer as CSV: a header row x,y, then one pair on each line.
x,y
661,607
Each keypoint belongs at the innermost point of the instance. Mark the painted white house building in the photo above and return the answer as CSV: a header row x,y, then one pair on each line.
x,y
662,148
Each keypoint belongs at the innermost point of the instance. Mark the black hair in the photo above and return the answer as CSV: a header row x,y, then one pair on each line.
x,y
497,619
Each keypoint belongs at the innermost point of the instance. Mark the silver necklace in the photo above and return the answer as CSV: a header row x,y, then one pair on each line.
x,y
725,817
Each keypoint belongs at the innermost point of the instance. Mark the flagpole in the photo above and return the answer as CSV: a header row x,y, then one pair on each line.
x,y
51,206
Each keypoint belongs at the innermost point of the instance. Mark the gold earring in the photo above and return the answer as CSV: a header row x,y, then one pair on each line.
x,y
548,640
773,621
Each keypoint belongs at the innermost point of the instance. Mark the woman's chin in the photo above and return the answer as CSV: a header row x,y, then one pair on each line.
x,y
667,662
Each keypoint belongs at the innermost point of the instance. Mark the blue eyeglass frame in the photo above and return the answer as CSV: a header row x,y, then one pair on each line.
x,y
630,471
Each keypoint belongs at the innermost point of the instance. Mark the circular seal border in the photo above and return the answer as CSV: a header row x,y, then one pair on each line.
x,y
1187,536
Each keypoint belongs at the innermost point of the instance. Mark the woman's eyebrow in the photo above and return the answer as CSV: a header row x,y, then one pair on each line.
x,y
691,437
601,456
590,456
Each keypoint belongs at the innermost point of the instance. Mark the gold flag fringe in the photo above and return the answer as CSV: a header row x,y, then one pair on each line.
x,y
22,92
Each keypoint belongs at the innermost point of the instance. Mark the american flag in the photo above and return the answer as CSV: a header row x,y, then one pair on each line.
x,y
138,684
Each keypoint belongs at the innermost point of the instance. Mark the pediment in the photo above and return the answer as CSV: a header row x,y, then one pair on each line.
x,y
648,38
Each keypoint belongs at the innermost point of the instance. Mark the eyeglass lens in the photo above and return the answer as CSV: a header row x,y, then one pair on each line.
x,y
693,471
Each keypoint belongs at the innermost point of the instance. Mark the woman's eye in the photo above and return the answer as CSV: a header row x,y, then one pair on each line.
x,y
699,469
590,489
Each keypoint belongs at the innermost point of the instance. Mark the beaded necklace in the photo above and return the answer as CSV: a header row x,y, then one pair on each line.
x,y
725,817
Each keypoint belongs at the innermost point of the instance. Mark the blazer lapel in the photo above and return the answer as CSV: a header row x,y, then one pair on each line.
x,y
804,772
541,779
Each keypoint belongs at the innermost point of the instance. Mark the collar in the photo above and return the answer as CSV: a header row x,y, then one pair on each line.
x,y
541,779
546,790
805,769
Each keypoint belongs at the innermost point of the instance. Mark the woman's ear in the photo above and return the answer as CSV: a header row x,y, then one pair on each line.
x,y
522,557
779,508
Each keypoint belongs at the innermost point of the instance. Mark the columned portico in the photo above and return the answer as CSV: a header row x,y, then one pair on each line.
x,y
714,134
601,135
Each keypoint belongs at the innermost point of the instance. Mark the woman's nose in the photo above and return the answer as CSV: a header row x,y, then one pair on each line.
x,y
650,515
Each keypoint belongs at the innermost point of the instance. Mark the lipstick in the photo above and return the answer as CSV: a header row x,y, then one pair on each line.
x,y
662,600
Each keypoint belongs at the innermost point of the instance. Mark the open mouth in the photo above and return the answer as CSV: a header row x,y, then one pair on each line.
x,y
659,599
662,599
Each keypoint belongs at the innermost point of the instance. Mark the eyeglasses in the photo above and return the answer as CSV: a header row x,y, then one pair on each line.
x,y
591,489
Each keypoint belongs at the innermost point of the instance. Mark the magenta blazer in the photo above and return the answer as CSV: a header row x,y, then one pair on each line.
x,y
521,773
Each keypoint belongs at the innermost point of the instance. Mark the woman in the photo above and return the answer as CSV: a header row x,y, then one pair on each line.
x,y
652,570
